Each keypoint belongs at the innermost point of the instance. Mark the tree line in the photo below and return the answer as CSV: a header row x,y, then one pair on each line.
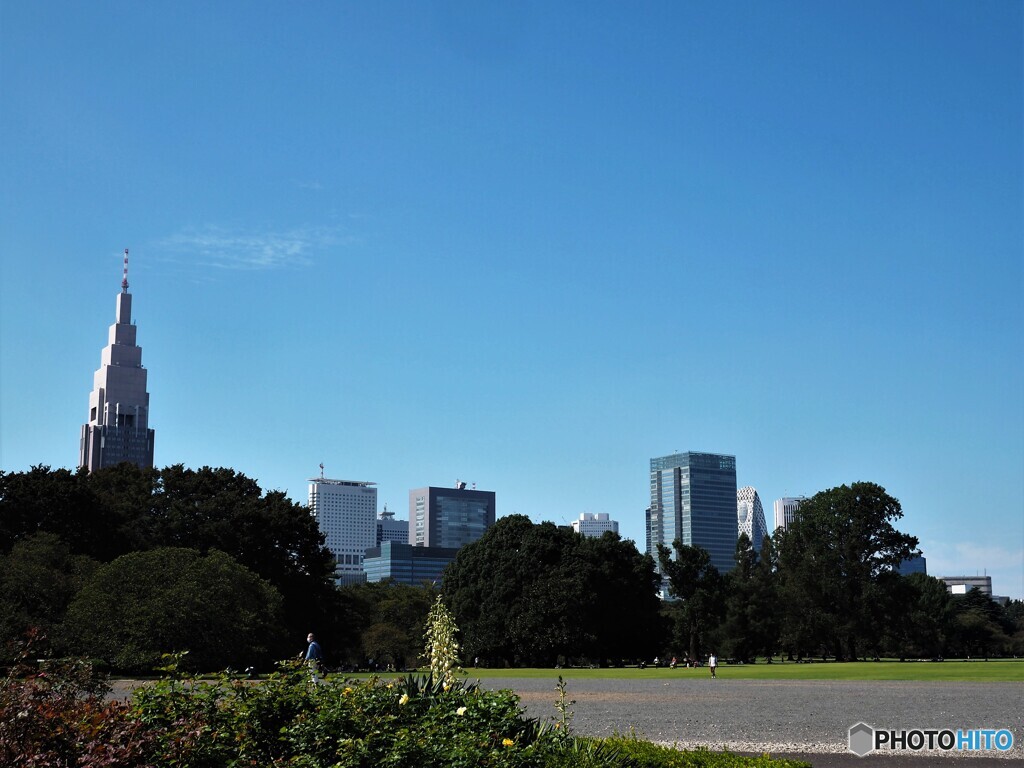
x,y
125,563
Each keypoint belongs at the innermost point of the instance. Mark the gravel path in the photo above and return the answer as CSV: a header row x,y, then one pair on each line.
x,y
783,717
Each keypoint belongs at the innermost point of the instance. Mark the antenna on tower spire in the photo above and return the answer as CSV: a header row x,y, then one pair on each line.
x,y
124,280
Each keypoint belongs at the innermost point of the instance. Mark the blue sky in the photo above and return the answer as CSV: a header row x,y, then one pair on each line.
x,y
533,245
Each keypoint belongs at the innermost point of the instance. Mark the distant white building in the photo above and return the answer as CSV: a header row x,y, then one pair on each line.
x,y
750,516
961,585
346,512
785,510
595,524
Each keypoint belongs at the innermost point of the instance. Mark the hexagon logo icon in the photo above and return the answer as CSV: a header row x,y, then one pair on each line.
x,y
861,739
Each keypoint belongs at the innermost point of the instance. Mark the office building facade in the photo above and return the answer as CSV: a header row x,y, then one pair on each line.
x,y
449,517
389,529
785,510
913,564
693,499
346,512
118,426
595,524
961,585
406,564
750,516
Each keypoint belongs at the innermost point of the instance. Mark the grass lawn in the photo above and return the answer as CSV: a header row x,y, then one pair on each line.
x,y
945,671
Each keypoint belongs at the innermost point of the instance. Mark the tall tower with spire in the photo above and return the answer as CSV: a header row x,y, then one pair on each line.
x,y
118,427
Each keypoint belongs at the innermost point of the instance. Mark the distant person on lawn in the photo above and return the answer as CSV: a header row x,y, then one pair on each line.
x,y
713,663
313,655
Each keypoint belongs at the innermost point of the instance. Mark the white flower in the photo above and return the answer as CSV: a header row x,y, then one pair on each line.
x,y
404,700
460,711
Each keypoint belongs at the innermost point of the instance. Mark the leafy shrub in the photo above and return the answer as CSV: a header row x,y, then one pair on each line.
x,y
289,720
59,718
56,716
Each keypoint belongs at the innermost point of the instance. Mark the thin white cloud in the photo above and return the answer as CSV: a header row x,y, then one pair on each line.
x,y
225,249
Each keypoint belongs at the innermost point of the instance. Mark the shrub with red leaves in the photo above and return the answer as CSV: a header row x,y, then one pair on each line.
x,y
57,717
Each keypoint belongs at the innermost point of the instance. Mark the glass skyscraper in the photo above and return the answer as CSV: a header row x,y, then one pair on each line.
x,y
449,517
693,499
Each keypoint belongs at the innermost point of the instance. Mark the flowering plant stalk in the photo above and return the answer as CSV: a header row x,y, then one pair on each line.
x,y
442,648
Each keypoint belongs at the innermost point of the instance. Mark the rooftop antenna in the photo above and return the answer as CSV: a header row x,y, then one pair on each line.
x,y
321,470
124,280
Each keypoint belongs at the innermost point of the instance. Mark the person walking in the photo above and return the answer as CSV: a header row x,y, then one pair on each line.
x,y
713,663
313,656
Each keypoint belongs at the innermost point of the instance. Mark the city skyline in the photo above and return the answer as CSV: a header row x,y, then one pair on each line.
x,y
533,247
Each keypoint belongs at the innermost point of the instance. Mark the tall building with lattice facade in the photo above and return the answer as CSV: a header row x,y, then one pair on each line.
x,y
750,516
118,427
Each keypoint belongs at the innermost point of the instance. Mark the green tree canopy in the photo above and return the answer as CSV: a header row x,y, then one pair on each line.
x,y
387,622
123,509
38,579
698,587
831,561
530,593
144,604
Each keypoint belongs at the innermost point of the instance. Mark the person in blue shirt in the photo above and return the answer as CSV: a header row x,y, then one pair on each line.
x,y
313,655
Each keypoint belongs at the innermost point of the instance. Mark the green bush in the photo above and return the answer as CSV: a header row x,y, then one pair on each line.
x,y
59,718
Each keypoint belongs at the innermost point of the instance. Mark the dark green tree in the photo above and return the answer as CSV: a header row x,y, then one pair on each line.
x,y
50,501
696,583
831,562
220,509
980,627
387,622
804,598
739,587
123,509
625,609
1014,615
170,600
125,498
535,594
765,609
923,621
38,580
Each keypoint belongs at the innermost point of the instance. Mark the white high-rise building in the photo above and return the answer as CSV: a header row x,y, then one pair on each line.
x,y
750,516
785,510
595,524
118,427
346,512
